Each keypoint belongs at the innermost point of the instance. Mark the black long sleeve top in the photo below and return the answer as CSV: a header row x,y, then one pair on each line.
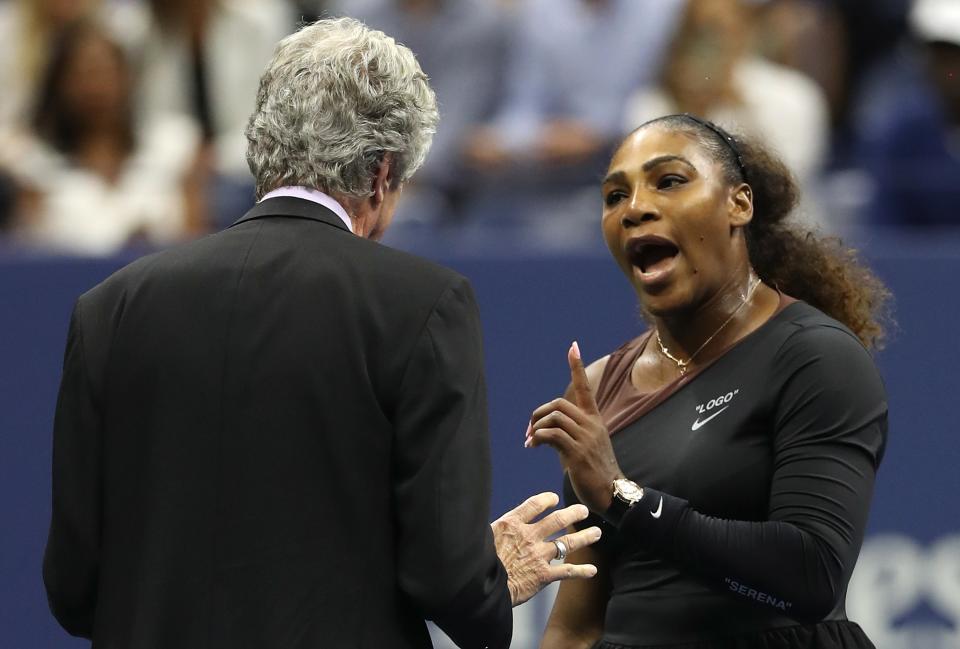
x,y
758,472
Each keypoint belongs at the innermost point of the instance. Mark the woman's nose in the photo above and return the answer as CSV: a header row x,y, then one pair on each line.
x,y
639,211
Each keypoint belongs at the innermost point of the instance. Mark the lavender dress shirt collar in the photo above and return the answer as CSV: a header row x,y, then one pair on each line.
x,y
316,196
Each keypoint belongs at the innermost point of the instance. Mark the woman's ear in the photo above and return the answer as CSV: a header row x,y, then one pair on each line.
x,y
741,205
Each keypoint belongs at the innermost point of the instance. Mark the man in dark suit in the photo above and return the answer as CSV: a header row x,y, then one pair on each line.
x,y
276,436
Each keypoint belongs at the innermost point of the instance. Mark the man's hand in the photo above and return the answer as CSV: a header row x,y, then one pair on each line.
x,y
526,552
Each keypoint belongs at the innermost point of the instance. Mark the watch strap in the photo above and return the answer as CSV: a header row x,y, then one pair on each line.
x,y
616,511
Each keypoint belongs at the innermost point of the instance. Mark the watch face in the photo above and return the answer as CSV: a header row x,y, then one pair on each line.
x,y
628,490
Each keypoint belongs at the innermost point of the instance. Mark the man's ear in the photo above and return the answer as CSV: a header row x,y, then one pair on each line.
x,y
383,178
741,206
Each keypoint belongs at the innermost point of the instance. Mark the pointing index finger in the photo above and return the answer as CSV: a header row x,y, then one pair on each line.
x,y
582,393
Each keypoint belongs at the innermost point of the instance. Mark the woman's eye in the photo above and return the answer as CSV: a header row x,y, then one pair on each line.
x,y
614,197
670,180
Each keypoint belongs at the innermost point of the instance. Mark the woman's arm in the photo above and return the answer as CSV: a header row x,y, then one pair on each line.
x,y
576,621
829,432
828,436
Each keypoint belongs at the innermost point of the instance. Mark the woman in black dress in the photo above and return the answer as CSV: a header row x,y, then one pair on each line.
x,y
729,452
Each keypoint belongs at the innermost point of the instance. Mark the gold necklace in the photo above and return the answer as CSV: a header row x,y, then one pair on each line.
x,y
682,365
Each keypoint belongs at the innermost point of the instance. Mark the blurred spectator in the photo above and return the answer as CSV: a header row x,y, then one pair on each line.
x,y
571,67
27,31
460,44
838,43
91,182
8,202
710,72
911,127
573,63
203,59
309,11
809,36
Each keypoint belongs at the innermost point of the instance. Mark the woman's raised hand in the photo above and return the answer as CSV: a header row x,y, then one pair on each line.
x,y
576,431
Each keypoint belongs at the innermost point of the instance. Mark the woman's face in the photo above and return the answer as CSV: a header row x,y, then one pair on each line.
x,y
672,221
95,80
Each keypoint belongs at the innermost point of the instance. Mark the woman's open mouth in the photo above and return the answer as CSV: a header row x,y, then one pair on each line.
x,y
655,257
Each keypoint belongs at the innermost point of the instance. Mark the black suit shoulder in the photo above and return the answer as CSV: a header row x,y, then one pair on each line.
x,y
391,281
376,265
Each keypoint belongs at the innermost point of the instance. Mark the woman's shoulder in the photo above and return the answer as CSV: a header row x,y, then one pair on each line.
x,y
625,354
595,371
610,372
599,370
801,338
810,337
805,325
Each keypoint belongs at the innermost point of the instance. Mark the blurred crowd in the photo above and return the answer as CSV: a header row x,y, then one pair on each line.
x,y
121,121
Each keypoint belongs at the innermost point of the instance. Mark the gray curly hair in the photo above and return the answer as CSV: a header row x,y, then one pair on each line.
x,y
335,98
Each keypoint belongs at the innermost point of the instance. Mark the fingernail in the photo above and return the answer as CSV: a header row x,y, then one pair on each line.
x,y
592,571
576,349
597,534
529,426
527,443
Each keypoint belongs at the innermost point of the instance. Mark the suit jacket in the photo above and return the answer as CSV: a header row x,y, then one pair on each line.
x,y
275,437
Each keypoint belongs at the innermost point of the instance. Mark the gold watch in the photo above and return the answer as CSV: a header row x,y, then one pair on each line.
x,y
626,494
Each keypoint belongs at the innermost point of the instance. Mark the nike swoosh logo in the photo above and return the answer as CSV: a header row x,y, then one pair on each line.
x,y
698,424
659,511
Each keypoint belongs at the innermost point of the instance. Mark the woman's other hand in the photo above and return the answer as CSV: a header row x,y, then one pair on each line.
x,y
574,428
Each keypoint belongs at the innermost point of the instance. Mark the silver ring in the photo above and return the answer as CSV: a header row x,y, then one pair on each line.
x,y
561,549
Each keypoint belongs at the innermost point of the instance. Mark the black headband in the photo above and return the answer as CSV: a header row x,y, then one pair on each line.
x,y
727,139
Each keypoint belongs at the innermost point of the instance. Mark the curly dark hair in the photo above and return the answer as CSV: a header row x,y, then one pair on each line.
x,y
820,270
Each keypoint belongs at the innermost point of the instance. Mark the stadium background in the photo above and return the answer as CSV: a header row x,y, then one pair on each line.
x,y
541,286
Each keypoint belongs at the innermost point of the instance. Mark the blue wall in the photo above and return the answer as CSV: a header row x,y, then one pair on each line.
x,y
907,589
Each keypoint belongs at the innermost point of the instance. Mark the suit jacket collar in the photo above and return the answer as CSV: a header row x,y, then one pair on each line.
x,y
292,207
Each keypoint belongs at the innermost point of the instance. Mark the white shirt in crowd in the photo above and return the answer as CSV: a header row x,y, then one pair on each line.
x,y
82,213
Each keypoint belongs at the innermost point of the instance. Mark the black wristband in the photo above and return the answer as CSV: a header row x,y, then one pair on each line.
x,y
616,511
